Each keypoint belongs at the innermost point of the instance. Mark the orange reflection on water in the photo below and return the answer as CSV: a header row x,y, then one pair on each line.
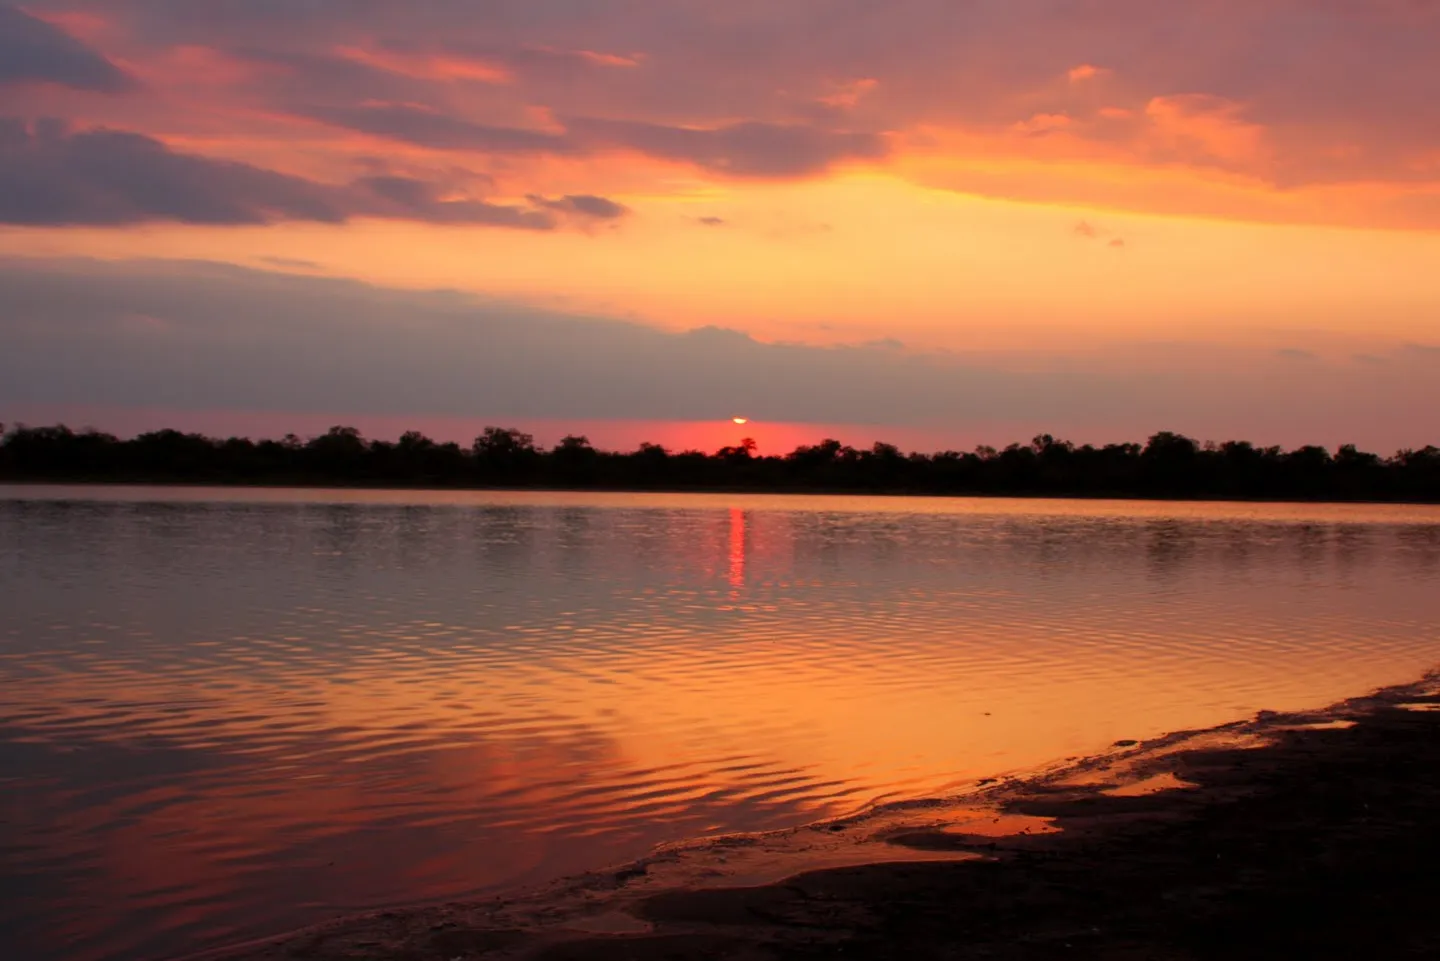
x,y
334,707
737,549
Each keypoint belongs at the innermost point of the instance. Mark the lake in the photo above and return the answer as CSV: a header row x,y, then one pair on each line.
x,y
228,713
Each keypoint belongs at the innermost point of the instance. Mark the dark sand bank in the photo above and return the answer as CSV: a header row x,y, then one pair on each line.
x,y
1304,836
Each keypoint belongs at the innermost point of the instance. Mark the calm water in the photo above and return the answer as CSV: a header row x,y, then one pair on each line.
x,y
227,714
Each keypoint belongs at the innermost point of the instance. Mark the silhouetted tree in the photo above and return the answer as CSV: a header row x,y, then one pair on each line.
x,y
1168,465
505,454
338,454
741,453
574,461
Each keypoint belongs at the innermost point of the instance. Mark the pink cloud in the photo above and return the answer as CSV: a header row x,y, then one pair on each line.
x,y
1085,71
851,93
1212,126
1043,123
190,65
429,66
597,58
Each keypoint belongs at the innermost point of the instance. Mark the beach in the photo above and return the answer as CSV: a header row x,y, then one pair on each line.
x,y
1285,835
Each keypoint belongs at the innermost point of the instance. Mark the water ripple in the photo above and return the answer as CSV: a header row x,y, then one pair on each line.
x,y
238,712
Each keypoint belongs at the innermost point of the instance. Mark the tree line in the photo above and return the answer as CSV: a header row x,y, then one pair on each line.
x,y
1167,465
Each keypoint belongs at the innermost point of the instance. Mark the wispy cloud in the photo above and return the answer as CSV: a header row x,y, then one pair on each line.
x,y
430,128
1088,231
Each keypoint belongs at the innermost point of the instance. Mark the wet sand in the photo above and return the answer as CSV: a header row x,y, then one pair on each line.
x,y
1313,835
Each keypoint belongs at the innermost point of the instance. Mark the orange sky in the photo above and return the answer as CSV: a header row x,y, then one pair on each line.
x,y
1042,179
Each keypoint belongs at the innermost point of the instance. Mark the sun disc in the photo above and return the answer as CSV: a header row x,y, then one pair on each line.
x,y
741,420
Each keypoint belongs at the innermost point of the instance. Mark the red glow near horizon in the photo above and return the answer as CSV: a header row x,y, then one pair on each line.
x,y
707,436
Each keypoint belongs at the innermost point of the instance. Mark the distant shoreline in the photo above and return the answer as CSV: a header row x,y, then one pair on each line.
x,y
12,482
1168,466
1287,831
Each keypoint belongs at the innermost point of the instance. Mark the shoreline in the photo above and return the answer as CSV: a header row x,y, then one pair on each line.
x,y
1295,822
891,494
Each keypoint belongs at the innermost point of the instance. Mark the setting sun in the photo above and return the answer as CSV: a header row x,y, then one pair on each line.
x,y
742,421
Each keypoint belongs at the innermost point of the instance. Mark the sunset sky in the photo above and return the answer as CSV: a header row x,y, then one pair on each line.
x,y
938,222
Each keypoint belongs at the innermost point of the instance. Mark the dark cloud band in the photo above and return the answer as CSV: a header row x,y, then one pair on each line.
x,y
205,336
53,176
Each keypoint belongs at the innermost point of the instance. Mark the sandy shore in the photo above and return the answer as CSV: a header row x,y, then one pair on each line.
x,y
1306,836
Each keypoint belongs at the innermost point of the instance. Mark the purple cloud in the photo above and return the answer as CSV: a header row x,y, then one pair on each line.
x,y
52,176
748,149
33,51
428,128
583,205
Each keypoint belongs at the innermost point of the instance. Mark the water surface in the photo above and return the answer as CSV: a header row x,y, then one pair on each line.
x,y
225,714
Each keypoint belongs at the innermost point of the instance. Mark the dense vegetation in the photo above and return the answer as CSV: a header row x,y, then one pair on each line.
x,y
1169,465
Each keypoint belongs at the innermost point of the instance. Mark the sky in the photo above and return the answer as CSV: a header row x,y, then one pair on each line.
x,y
936,222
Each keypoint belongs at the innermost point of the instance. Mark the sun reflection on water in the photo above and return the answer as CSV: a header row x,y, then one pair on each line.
x,y
737,551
